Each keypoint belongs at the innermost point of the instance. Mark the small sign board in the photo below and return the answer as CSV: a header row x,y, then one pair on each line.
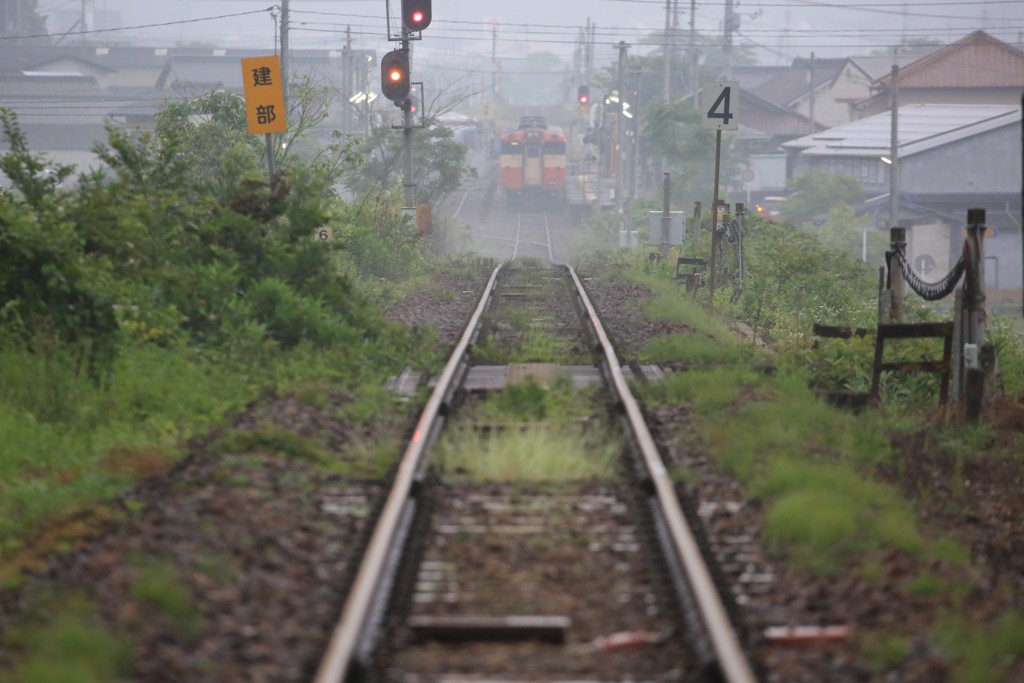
x,y
323,234
264,95
676,228
989,231
719,101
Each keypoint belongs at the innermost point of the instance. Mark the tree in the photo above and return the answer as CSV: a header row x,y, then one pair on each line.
x,y
440,163
22,18
815,194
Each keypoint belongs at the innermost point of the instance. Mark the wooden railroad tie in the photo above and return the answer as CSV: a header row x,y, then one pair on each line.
x,y
452,628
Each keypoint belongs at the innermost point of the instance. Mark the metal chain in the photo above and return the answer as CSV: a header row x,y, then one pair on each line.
x,y
929,291
730,230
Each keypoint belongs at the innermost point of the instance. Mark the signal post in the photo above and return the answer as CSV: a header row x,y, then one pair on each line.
x,y
396,83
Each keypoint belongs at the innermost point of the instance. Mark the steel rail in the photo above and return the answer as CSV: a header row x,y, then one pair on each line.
x,y
357,612
731,660
547,233
459,207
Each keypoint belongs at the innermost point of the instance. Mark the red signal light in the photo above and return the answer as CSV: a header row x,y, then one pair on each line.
x,y
394,75
416,14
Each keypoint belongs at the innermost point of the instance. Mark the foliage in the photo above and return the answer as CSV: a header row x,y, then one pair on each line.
x,y
673,132
173,286
71,647
793,282
816,194
48,287
26,20
842,231
439,170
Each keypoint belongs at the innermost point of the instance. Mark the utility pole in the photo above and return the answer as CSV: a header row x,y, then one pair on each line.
x,y
494,62
410,182
897,284
810,94
620,129
894,159
666,52
694,52
85,21
347,81
284,50
727,45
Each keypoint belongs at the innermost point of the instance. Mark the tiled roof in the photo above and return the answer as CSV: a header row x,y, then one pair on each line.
x,y
62,85
789,86
877,66
977,60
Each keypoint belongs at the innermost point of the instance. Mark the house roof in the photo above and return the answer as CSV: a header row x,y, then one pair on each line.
x,y
877,66
977,60
921,127
56,59
785,85
36,85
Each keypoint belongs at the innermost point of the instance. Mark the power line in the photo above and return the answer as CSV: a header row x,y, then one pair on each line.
x,y
132,28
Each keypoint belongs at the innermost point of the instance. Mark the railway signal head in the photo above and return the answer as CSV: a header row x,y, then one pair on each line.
x,y
416,14
583,94
394,75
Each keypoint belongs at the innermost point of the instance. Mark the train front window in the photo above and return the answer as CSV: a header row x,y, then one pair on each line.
x,y
510,148
554,147
533,151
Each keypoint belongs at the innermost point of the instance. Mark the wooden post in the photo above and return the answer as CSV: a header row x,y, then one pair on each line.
x,y
695,225
714,222
666,217
897,285
974,318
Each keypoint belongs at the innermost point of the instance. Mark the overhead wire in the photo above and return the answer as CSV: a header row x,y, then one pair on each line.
x,y
139,26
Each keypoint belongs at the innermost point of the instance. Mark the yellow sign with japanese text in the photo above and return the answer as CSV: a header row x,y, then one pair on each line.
x,y
264,95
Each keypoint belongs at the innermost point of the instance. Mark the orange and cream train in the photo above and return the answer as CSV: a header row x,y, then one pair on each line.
x,y
532,161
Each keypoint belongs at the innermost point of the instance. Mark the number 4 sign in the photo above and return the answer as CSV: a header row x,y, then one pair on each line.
x,y
718,104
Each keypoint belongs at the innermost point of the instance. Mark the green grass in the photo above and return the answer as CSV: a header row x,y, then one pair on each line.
x,y
533,454
68,443
694,349
982,655
530,401
159,584
669,304
70,647
709,390
883,650
273,439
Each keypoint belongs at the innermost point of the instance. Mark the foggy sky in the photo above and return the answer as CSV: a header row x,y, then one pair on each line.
x,y
784,28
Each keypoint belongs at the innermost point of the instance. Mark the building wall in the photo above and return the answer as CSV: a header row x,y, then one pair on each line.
x,y
987,163
878,105
832,105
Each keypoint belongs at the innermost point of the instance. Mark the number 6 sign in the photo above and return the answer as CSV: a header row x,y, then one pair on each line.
x,y
718,104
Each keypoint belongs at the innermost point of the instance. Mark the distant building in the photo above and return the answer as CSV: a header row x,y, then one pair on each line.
x,y
977,69
952,157
64,96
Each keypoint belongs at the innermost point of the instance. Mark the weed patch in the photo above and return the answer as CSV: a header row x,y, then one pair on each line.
x,y
982,655
536,453
70,647
160,585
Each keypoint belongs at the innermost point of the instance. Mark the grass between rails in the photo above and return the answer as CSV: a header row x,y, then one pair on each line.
x,y
530,432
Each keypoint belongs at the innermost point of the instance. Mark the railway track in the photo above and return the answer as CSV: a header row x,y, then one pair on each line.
x,y
475,577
